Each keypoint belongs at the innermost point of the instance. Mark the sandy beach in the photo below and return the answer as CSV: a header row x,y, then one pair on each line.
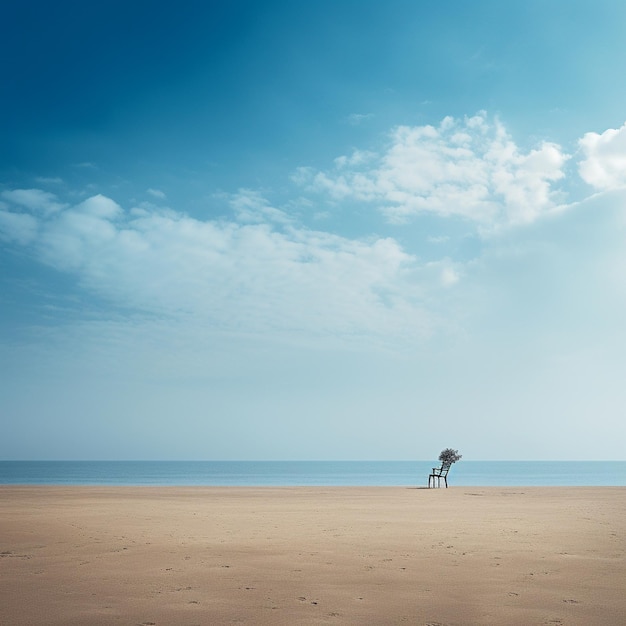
x,y
312,555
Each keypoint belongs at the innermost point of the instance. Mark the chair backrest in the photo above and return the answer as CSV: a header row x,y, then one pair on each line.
x,y
445,468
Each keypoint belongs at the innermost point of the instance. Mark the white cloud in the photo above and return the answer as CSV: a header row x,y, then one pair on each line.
x,y
469,168
157,193
99,206
252,208
18,227
244,276
79,234
34,199
358,118
261,270
604,166
449,276
358,157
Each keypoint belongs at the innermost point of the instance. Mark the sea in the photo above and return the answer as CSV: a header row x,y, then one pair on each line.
x,y
311,473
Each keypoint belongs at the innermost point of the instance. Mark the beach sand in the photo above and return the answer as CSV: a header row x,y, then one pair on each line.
x,y
312,555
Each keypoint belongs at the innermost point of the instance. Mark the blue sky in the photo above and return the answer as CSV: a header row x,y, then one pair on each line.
x,y
330,230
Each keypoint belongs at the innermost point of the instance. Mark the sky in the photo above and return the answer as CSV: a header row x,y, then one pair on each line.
x,y
334,230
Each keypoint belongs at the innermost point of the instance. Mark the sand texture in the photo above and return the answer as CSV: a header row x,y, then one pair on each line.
x,y
383,555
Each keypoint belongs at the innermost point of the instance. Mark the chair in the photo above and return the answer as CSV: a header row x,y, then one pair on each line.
x,y
439,473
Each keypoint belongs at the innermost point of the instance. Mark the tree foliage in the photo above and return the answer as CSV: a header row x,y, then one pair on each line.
x,y
450,456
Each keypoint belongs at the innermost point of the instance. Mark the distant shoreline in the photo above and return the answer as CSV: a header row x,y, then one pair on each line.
x,y
312,473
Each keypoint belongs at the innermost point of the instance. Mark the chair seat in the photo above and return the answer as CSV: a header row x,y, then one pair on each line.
x,y
439,473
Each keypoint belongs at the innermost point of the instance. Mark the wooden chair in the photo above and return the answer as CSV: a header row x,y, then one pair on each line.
x,y
439,473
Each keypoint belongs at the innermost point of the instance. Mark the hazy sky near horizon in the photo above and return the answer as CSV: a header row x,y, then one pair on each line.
x,y
325,230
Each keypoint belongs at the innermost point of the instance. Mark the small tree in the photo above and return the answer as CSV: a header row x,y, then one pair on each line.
x,y
450,456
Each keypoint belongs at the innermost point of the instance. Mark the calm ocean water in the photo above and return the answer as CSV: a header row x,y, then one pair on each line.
x,y
322,473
